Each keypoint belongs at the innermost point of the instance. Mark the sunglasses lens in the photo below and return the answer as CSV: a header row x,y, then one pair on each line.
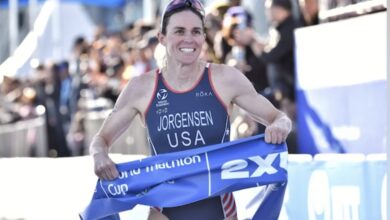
x,y
178,4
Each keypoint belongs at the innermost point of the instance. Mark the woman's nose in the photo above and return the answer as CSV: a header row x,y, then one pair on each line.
x,y
188,37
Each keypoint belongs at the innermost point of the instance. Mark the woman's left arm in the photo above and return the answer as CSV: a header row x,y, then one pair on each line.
x,y
243,94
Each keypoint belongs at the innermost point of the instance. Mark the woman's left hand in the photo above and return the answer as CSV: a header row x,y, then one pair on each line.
x,y
277,132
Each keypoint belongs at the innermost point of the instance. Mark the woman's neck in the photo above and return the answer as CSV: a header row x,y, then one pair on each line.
x,y
182,77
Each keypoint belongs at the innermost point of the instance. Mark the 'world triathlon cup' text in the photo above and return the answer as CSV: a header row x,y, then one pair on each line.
x,y
121,189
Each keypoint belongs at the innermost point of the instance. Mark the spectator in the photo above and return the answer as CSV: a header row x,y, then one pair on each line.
x,y
49,95
238,53
279,57
309,12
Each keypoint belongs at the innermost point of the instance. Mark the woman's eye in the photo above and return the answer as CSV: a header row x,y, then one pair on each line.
x,y
179,32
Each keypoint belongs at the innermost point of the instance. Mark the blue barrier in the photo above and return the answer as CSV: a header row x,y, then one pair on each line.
x,y
336,186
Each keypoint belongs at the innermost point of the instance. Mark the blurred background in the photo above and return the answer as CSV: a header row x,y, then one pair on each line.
x,y
63,64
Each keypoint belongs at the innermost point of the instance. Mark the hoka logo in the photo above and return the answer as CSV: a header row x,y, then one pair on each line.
x,y
203,94
162,94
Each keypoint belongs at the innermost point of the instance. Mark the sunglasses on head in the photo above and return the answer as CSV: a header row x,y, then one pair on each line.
x,y
180,4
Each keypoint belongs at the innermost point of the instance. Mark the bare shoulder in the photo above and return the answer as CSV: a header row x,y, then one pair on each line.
x,y
225,75
139,90
143,83
228,82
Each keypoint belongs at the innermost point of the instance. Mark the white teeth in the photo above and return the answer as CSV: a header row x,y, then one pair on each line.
x,y
187,50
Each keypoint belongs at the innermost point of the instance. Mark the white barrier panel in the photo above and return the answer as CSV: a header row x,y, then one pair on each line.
x,y
338,65
133,140
328,187
24,138
51,188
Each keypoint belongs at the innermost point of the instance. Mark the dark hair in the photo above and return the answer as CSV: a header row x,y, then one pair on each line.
x,y
286,4
167,16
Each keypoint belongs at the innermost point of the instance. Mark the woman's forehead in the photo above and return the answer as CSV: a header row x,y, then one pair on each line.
x,y
184,19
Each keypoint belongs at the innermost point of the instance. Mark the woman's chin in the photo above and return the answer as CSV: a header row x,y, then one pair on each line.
x,y
188,60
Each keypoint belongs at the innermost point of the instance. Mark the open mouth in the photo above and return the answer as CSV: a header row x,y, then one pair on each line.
x,y
187,50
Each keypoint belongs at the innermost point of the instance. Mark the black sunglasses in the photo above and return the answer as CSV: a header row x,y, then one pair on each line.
x,y
179,4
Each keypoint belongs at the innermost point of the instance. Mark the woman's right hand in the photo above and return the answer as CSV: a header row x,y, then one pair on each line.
x,y
104,167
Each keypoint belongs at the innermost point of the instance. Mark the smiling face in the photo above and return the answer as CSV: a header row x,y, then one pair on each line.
x,y
184,37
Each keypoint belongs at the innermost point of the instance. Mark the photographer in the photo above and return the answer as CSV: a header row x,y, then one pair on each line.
x,y
278,53
238,54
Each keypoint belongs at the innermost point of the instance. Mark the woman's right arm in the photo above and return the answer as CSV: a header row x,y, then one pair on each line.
x,y
126,108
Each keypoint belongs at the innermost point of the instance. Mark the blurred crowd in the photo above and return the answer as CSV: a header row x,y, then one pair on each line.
x,y
96,72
